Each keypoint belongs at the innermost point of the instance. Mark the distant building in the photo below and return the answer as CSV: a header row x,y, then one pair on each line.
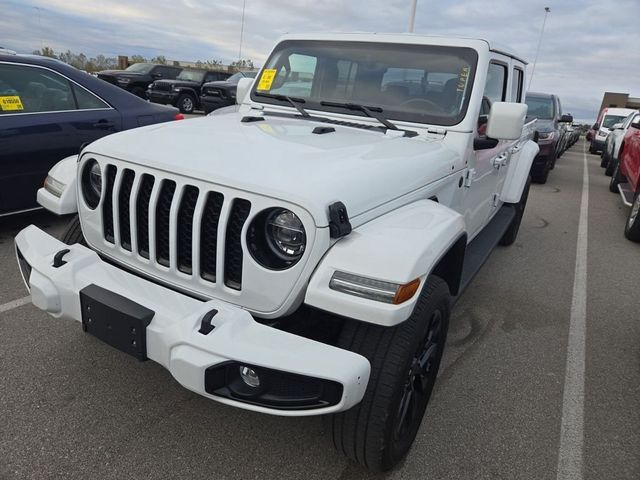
x,y
621,100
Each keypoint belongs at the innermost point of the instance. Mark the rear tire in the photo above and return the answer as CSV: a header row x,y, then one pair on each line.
x,y
512,232
616,179
72,233
632,227
379,431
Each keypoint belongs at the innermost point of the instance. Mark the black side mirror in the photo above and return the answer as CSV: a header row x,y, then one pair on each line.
x,y
636,125
156,75
566,119
484,143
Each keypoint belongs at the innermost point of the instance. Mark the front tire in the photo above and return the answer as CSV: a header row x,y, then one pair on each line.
x,y
186,103
73,233
632,227
512,232
379,431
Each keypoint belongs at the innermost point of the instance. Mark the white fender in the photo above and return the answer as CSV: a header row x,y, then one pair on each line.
x,y
63,174
398,247
519,167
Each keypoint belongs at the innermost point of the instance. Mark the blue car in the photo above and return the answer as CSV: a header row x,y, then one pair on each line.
x,y
48,110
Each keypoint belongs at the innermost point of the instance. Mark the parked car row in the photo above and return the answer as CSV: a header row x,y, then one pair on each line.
x,y
553,135
48,110
621,160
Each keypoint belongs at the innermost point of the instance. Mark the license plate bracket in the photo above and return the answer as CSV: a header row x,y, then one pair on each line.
x,y
115,320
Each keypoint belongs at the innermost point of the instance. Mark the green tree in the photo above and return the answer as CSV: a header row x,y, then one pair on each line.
x,y
137,59
159,59
243,64
45,52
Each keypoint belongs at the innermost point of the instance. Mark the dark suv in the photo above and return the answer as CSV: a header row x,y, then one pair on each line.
x,y
222,94
184,91
137,77
547,109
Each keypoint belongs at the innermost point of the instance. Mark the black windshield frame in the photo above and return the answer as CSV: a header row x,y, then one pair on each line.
x,y
467,54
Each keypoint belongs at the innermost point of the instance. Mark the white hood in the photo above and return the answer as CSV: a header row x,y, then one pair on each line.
x,y
280,157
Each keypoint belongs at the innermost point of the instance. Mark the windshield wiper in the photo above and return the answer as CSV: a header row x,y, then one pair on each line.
x,y
373,112
294,101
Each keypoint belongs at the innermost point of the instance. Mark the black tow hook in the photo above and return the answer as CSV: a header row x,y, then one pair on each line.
x,y
205,323
57,259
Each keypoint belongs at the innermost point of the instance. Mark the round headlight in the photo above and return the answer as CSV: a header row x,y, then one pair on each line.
x,y
276,238
91,183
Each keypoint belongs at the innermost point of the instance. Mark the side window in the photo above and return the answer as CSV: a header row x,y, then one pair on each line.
x,y
26,89
516,85
87,100
496,86
212,77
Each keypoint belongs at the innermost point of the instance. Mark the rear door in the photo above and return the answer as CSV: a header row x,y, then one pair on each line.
x,y
51,118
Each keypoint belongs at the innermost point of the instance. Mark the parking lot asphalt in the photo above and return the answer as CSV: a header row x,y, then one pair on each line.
x,y
73,407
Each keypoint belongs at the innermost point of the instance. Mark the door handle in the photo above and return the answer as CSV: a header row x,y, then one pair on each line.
x,y
103,124
501,160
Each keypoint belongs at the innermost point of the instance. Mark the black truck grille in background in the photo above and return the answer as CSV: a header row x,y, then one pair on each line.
x,y
107,206
209,235
233,247
156,205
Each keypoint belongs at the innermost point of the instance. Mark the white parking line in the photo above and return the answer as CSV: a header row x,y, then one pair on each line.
x,y
570,454
5,307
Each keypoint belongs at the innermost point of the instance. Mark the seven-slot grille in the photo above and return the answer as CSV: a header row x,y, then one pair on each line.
x,y
142,224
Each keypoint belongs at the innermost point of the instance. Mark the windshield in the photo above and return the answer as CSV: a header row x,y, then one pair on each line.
x,y
191,75
139,68
540,107
416,83
610,120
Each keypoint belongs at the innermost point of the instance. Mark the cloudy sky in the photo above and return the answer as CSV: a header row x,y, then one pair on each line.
x,y
589,46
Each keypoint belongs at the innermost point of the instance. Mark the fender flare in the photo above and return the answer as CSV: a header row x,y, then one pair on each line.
x,y
397,247
65,172
519,168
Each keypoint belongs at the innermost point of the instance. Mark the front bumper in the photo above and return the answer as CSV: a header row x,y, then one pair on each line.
x,y
173,338
162,97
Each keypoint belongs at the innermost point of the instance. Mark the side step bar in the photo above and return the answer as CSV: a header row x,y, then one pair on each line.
x,y
626,193
481,247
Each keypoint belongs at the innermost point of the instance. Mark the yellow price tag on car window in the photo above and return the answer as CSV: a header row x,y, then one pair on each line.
x,y
266,79
10,103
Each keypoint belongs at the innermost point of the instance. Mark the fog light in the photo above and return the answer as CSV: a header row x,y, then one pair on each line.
x,y
249,376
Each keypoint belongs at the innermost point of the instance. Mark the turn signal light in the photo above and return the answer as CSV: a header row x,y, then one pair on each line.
x,y
373,289
406,291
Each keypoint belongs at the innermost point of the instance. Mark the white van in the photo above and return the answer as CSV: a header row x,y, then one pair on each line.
x,y
607,119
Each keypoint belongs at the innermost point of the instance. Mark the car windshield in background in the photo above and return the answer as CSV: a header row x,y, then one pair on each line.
x,y
416,83
540,107
610,120
191,75
139,68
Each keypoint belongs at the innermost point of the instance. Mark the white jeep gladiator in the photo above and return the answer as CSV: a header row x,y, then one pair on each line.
x,y
301,254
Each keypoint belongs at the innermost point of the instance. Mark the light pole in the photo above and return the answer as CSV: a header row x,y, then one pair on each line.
x,y
535,60
412,16
244,4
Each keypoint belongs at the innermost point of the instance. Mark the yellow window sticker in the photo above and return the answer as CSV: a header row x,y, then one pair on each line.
x,y
266,79
10,103
462,78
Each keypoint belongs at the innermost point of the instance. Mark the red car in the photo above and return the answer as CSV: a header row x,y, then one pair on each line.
x,y
626,179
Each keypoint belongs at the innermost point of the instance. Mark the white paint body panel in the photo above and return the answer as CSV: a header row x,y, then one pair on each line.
x,y
173,340
399,247
65,172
